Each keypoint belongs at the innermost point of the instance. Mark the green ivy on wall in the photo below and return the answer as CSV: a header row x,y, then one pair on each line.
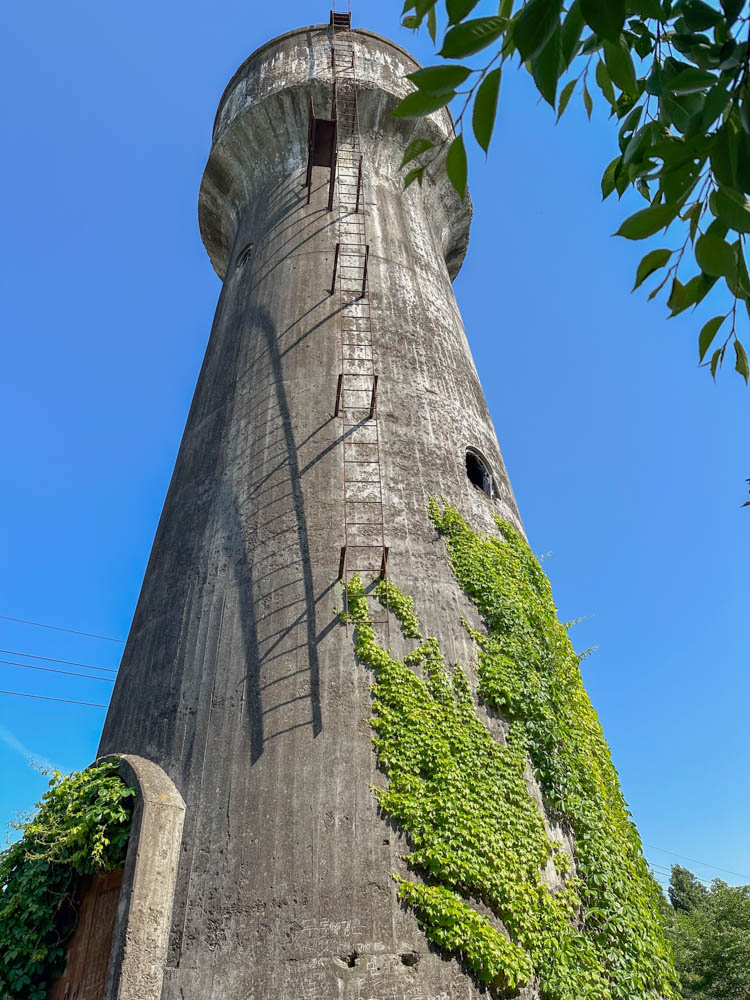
x,y
81,827
464,800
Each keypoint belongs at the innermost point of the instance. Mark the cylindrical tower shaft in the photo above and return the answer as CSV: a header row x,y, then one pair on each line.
x,y
238,677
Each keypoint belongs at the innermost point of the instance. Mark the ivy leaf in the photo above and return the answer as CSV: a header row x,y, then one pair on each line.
x,y
439,79
707,335
741,365
647,222
605,17
419,104
564,99
620,66
650,263
415,148
485,108
716,257
456,166
458,9
545,68
535,25
471,36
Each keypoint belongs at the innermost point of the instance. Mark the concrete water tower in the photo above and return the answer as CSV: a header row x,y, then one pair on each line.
x,y
337,394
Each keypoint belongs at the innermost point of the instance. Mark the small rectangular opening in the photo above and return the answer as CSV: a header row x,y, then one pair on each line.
x,y
322,141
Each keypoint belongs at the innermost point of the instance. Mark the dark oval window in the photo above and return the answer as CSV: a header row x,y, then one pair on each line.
x,y
479,473
244,254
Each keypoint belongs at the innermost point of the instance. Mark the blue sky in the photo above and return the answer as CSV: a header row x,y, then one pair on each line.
x,y
627,461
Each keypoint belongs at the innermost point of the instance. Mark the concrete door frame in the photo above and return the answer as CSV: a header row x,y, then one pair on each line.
x,y
144,912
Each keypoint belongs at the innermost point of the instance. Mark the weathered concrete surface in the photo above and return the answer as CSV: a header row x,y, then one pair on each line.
x,y
144,916
237,678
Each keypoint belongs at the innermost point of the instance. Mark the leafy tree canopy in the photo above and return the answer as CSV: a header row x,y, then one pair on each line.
x,y
674,74
686,893
709,930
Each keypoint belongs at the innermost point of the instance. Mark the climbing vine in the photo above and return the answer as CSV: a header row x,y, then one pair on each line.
x,y
583,931
81,827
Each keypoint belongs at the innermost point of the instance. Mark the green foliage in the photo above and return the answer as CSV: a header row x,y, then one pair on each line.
x,y
81,827
485,108
402,606
685,891
456,166
709,930
674,73
458,929
464,800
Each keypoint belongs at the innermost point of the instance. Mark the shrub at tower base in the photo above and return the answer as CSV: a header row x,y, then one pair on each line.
x,y
81,827
586,928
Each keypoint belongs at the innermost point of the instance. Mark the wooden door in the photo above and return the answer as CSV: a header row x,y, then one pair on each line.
x,y
88,950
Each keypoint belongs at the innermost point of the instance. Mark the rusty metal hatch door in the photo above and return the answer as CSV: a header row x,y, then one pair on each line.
x,y
88,950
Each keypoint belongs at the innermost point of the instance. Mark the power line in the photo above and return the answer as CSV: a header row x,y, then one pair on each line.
x,y
43,697
52,659
53,670
664,872
59,628
696,861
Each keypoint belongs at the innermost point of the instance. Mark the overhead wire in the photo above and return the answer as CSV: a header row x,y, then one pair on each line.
x,y
695,861
44,697
59,628
109,638
53,659
55,670
665,873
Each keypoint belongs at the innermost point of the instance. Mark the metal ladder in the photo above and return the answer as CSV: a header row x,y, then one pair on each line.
x,y
364,550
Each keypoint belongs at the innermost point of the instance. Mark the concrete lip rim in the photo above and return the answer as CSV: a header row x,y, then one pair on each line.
x,y
288,34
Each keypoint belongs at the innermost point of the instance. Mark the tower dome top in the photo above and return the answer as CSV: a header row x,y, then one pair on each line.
x,y
261,130
243,69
